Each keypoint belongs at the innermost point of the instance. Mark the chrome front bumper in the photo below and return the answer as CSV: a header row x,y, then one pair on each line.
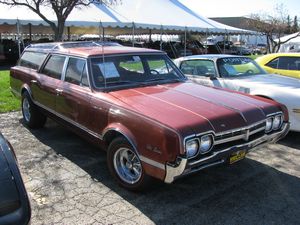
x,y
182,166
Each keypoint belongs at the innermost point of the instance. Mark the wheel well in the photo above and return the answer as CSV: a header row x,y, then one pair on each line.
x,y
24,89
110,135
262,96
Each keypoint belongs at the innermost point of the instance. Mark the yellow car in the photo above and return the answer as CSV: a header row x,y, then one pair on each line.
x,y
287,64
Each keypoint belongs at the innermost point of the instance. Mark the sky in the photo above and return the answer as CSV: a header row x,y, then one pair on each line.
x,y
228,8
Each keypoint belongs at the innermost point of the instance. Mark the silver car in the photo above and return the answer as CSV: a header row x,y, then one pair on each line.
x,y
243,74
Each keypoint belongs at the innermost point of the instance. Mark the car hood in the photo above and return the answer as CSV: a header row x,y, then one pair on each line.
x,y
182,105
274,80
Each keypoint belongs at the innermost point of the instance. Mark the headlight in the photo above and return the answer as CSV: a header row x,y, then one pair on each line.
x,y
206,143
277,122
269,124
192,147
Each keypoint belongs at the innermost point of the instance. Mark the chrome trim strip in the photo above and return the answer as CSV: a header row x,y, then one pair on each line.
x,y
152,162
274,114
174,171
63,73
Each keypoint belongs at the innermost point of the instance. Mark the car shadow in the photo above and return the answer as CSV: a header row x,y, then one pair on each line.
x,y
291,140
248,192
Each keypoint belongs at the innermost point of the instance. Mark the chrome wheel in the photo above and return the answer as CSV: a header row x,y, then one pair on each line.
x,y
26,109
127,165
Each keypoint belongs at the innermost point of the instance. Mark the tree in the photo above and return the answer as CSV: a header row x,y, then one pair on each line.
x,y
273,26
288,25
295,27
61,9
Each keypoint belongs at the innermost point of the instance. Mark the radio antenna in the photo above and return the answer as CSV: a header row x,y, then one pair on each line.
x,y
103,59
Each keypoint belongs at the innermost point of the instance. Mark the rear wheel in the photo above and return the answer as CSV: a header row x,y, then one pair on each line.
x,y
32,116
125,166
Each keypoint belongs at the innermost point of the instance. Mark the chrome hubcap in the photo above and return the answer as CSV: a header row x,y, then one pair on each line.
x,y
127,165
26,109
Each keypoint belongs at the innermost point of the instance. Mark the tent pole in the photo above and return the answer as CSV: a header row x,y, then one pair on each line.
x,y
18,36
30,31
160,43
101,32
150,34
185,31
206,36
133,32
224,49
69,33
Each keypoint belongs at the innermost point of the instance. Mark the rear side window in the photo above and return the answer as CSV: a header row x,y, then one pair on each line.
x,y
75,70
289,63
54,66
32,60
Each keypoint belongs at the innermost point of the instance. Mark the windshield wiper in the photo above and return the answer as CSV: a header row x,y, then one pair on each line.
x,y
162,79
122,82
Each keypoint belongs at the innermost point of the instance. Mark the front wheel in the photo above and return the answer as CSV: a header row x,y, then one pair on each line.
x,y
125,166
32,116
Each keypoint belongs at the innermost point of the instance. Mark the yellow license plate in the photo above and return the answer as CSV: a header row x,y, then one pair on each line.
x,y
237,156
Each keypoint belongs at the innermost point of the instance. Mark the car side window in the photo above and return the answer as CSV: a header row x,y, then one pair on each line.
x,y
204,68
273,64
54,66
75,70
32,60
289,63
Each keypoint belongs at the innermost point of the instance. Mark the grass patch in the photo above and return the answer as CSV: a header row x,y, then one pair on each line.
x,y
8,102
254,56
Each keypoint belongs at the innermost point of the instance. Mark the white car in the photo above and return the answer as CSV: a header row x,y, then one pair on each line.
x,y
243,74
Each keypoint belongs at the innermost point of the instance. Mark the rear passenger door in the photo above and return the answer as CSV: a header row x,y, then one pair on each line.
x,y
73,100
44,88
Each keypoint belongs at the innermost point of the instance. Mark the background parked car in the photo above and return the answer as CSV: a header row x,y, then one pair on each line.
x,y
245,75
241,50
287,64
14,202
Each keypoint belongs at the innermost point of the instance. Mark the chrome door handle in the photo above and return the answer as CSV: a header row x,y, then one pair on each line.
x,y
58,91
33,81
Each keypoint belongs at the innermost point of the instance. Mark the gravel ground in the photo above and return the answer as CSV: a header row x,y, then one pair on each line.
x,y
68,183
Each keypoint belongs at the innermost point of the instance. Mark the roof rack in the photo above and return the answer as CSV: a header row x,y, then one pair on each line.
x,y
66,45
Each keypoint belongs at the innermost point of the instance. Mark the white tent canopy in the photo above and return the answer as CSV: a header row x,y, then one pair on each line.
x,y
169,15
292,45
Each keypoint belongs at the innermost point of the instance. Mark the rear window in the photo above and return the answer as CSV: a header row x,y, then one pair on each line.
x,y
32,60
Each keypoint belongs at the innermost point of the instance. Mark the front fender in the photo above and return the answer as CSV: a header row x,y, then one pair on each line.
x,y
123,131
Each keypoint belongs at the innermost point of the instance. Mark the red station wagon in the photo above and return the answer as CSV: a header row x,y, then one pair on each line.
x,y
139,106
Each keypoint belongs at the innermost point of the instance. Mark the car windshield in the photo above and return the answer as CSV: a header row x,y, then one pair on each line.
x,y
238,66
134,70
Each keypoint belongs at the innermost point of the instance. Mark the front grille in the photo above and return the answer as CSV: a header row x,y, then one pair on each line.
x,y
243,133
